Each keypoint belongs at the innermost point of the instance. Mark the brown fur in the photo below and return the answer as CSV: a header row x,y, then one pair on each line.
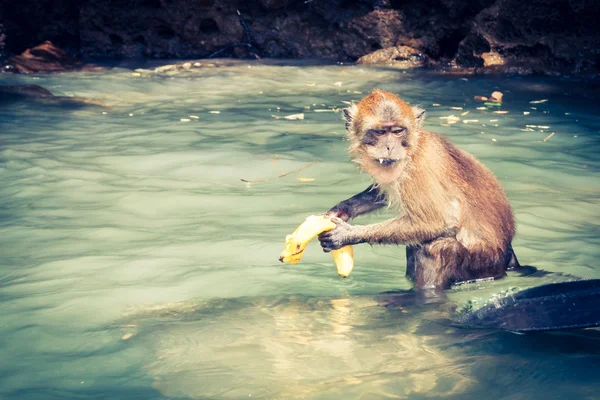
x,y
454,215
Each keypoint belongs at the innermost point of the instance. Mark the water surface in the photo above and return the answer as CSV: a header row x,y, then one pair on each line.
x,y
135,263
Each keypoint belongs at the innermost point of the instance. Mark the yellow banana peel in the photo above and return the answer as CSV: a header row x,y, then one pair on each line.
x,y
308,230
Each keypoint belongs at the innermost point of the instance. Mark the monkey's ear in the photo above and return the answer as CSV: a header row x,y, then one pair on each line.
x,y
419,114
349,114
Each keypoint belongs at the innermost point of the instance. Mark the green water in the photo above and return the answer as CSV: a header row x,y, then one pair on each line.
x,y
135,263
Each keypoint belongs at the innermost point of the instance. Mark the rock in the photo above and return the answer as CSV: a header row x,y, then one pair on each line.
x,y
398,56
2,43
537,36
45,58
492,58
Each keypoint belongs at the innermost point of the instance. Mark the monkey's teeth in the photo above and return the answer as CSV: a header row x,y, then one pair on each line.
x,y
381,161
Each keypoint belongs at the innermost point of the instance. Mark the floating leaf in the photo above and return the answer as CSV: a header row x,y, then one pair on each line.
x,y
491,104
294,116
306,179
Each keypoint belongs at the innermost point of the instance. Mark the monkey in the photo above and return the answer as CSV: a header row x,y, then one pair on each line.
x,y
453,216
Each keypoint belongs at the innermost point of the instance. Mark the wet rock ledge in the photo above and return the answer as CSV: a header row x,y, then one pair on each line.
x,y
535,36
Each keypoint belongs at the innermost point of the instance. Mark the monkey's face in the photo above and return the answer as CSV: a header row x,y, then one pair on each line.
x,y
383,150
383,131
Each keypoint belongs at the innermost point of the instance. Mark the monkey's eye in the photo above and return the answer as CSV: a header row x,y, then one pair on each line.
x,y
377,132
398,131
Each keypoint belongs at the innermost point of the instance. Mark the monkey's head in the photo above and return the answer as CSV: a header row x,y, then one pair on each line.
x,y
383,131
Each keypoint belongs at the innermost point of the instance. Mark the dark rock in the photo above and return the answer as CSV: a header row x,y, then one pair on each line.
x,y
3,53
544,36
45,58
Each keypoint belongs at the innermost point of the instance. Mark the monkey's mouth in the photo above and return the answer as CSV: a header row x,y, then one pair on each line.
x,y
386,162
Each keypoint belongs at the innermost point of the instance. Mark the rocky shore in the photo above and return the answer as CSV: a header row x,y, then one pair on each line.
x,y
538,36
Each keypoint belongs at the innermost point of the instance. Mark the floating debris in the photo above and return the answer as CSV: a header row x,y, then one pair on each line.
x,y
470,121
290,117
500,112
185,120
436,104
136,74
548,137
451,119
456,108
482,108
338,84
526,113
311,84
494,140
538,126
306,179
347,102
215,112
492,104
354,91
194,116
496,97
481,98
465,113
126,336
538,101
493,120
325,110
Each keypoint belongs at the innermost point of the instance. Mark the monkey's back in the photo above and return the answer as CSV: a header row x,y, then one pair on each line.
x,y
484,213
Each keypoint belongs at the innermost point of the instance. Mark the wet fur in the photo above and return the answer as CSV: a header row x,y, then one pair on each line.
x,y
453,214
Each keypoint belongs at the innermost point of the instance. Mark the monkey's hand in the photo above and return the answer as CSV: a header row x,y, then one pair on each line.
x,y
340,213
342,235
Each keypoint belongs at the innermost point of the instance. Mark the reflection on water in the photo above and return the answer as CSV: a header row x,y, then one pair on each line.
x,y
302,348
136,264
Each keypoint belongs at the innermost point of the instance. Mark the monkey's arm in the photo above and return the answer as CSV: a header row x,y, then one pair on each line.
x,y
366,201
401,230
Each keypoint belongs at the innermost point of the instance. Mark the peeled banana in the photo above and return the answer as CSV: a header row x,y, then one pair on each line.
x,y
308,230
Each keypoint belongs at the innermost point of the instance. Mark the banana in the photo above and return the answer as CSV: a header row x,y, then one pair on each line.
x,y
308,230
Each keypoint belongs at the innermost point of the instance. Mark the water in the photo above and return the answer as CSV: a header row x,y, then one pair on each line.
x,y
136,264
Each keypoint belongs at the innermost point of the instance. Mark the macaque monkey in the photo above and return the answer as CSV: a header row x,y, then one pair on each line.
x,y
453,217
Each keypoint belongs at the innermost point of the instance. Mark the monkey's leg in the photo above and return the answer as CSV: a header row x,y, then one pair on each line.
x,y
440,263
410,262
512,263
366,201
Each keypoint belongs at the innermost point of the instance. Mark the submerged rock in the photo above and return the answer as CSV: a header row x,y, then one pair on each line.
x,y
40,95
